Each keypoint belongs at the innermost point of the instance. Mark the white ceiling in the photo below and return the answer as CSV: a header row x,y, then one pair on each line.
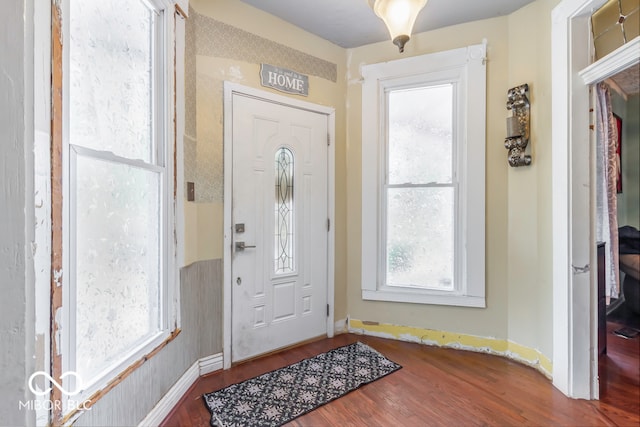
x,y
352,23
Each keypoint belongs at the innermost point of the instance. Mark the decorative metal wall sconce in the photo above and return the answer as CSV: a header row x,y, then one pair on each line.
x,y
518,126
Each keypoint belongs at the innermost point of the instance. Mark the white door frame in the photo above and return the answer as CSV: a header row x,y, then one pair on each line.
x,y
229,90
575,358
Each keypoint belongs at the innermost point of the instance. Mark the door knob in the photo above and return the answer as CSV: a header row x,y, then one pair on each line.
x,y
240,246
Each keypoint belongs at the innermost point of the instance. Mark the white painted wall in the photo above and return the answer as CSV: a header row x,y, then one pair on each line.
x,y
16,210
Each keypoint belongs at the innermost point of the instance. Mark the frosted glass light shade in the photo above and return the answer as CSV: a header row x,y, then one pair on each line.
x,y
399,16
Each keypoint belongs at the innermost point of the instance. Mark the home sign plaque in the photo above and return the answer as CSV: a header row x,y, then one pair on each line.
x,y
284,80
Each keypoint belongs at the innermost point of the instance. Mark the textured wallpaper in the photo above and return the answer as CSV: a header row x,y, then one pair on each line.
x,y
214,38
190,142
190,76
207,40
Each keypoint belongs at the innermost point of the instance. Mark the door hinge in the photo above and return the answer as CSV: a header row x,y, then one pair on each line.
x,y
327,310
328,139
328,224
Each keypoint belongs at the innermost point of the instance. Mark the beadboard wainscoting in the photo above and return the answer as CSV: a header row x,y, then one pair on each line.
x,y
160,382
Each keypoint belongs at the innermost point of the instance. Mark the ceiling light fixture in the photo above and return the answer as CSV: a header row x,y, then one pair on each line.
x,y
399,16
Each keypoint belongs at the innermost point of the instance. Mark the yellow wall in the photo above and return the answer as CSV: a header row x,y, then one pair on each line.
x,y
204,220
203,231
518,204
491,321
530,235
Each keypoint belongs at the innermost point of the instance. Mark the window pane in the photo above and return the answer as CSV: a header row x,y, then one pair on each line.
x,y
420,237
110,78
421,135
118,256
284,211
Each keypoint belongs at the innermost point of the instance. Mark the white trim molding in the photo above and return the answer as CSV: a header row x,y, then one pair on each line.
x,y
200,367
341,326
575,358
464,69
167,40
570,36
210,364
620,59
173,396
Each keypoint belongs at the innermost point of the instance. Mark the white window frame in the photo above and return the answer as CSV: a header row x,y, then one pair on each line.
x,y
466,69
162,161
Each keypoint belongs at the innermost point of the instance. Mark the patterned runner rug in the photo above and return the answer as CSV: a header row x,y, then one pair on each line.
x,y
277,397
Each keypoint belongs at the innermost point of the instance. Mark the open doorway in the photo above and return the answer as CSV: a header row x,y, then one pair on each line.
x,y
575,361
617,187
617,182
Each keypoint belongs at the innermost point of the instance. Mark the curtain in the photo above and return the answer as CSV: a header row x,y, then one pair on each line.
x,y
606,177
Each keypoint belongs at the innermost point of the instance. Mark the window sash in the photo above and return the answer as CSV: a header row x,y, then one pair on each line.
x,y
466,67
158,164
454,287
425,82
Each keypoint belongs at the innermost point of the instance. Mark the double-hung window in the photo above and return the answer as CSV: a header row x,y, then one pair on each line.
x,y
118,186
423,154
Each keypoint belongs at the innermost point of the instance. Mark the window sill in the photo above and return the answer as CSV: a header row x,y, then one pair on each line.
x,y
424,296
95,392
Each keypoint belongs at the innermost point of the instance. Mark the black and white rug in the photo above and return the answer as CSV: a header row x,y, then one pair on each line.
x,y
278,397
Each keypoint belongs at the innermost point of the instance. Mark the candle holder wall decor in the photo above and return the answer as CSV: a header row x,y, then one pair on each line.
x,y
518,126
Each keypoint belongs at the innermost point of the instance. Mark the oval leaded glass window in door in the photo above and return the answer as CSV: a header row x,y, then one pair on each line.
x,y
284,206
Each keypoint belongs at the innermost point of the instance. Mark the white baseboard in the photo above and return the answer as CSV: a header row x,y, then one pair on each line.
x,y
210,364
200,367
341,326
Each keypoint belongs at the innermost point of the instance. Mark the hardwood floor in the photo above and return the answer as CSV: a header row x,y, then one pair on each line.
x,y
619,374
445,387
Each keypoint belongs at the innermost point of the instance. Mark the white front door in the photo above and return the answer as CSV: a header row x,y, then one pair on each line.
x,y
279,225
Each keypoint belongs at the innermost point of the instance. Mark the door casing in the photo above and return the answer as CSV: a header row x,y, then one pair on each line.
x,y
229,90
575,361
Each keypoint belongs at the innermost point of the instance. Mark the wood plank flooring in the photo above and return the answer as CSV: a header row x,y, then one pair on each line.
x,y
445,387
